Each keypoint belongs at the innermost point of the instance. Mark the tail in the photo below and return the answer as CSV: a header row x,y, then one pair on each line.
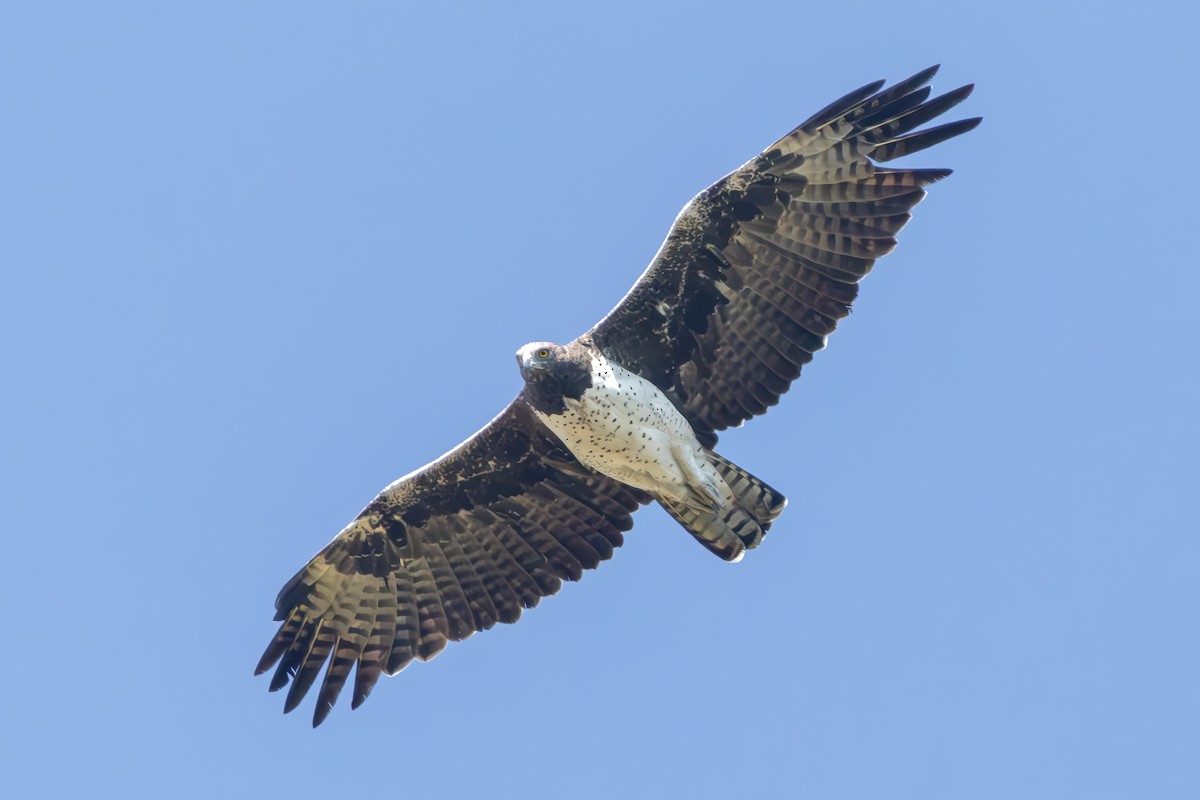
x,y
730,532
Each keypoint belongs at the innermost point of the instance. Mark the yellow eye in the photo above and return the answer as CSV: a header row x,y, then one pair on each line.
x,y
543,353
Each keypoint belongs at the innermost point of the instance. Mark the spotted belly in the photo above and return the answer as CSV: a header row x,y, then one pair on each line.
x,y
624,427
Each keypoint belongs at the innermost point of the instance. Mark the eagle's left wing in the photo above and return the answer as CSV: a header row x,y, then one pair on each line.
x,y
468,541
759,268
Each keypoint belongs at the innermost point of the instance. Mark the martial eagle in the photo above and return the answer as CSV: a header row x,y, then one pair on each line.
x,y
753,276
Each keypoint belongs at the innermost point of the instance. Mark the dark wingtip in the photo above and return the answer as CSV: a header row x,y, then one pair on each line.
x,y
279,680
925,75
268,659
293,700
916,142
361,693
841,106
951,98
364,681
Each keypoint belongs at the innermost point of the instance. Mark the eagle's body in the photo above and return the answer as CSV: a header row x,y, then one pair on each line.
x,y
756,272
623,426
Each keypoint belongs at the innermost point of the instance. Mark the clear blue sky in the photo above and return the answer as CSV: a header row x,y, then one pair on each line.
x,y
261,259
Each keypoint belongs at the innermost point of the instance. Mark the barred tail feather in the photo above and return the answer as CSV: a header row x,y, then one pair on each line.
x,y
730,532
726,532
757,498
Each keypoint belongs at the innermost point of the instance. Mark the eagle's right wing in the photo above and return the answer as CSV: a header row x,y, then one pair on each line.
x,y
759,268
470,540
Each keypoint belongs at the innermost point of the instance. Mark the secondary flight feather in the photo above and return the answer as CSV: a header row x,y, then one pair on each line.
x,y
754,274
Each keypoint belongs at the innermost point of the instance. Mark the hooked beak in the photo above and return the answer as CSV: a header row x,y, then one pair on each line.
x,y
530,367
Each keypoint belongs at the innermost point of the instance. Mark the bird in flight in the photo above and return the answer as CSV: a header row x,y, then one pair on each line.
x,y
754,274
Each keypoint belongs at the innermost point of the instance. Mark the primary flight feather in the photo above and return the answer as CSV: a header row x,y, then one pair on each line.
x,y
755,273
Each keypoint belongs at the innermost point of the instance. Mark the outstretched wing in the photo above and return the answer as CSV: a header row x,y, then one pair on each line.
x,y
759,267
470,540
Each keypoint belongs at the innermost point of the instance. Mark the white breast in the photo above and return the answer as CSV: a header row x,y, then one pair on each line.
x,y
624,427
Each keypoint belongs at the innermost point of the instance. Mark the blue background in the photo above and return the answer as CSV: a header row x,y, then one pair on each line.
x,y
261,259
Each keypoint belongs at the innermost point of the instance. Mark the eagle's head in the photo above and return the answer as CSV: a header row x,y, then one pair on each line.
x,y
552,372
538,360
